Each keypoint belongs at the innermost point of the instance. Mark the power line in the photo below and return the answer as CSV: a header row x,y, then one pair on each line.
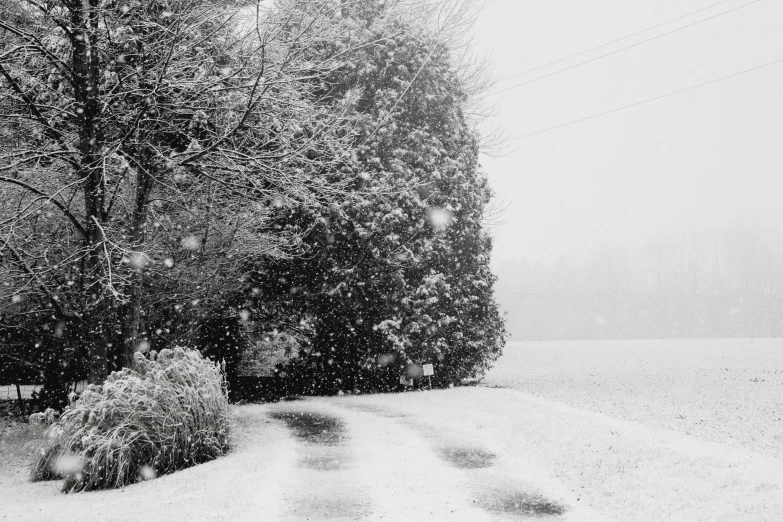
x,y
636,104
580,53
626,48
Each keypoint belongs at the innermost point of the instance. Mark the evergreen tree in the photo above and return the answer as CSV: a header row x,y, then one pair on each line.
x,y
400,277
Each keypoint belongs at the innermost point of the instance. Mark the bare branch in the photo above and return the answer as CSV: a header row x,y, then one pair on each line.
x,y
50,199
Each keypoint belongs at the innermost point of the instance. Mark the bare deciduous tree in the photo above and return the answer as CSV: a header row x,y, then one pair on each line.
x,y
146,147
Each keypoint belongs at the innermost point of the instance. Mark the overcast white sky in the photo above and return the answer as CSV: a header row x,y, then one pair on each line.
x,y
705,158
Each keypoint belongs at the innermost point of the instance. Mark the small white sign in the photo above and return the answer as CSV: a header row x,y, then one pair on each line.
x,y
404,380
428,370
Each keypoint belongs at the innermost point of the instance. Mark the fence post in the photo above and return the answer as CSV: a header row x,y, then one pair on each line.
x,y
21,402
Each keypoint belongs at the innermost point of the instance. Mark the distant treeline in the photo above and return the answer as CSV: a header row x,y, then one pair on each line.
x,y
549,316
725,283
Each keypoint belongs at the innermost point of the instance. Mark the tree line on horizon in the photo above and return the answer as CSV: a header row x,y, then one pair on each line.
x,y
720,282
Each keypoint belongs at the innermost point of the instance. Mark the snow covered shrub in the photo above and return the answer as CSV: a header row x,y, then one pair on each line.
x,y
168,413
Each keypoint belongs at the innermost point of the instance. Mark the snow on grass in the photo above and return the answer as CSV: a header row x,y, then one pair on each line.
x,y
15,451
720,390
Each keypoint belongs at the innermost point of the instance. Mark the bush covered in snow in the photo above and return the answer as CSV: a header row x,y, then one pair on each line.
x,y
168,413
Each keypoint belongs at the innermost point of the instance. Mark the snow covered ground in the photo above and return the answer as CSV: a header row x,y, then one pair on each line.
x,y
719,390
318,459
477,453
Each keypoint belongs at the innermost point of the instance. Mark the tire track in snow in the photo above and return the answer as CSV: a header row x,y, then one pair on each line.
x,y
324,484
405,478
451,466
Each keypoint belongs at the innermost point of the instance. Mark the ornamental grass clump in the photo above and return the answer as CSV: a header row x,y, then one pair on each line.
x,y
168,413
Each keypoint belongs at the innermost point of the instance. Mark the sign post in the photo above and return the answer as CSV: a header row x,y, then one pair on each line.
x,y
429,371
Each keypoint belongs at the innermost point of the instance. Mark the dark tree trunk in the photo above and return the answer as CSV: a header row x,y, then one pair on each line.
x,y
84,20
132,326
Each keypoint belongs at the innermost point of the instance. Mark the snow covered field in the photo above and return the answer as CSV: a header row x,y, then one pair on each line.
x,y
585,436
720,390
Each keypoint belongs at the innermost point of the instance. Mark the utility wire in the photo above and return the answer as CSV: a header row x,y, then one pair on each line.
x,y
626,48
618,109
580,53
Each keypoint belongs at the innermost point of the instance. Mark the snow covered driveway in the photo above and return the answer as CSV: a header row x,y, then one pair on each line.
x,y
462,454
355,461
316,459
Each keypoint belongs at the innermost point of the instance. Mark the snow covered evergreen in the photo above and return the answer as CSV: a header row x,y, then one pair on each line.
x,y
398,277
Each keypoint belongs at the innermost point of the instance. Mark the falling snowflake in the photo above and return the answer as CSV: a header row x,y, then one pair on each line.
x,y
191,243
440,218
147,473
67,465
139,260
